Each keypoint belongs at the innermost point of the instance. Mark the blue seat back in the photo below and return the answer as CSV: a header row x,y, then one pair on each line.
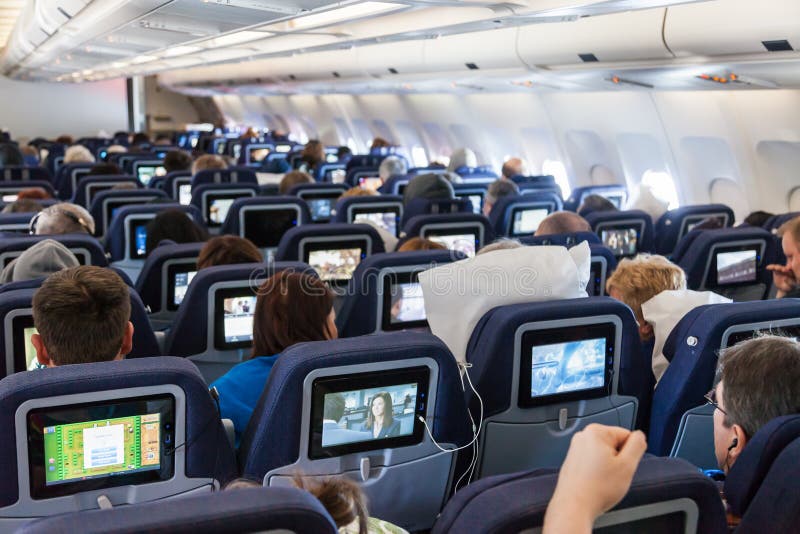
x,y
603,264
66,178
205,455
92,185
762,485
173,181
154,279
202,195
430,226
236,175
118,234
244,510
261,456
363,307
675,224
613,226
480,174
692,350
85,247
616,193
235,223
705,271
502,216
193,333
776,221
517,502
26,174
395,185
495,351
347,208
428,206
15,223
290,246
107,201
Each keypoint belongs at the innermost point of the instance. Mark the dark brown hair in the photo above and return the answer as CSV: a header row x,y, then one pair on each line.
x,y
175,225
388,410
313,153
291,308
341,497
81,314
228,250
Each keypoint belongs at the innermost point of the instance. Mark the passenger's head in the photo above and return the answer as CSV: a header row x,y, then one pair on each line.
x,y
432,186
65,139
292,308
392,166
758,218
78,154
418,243
63,218
140,138
291,179
104,169
637,280
23,205
463,157
342,498
497,190
82,315
116,149
789,233
10,155
756,382
34,193
562,222
174,225
503,243
359,192
592,203
163,140
343,153
379,142
228,250
313,153
208,162
177,160
513,167
40,260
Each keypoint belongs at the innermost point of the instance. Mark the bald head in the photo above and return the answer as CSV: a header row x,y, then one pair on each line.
x,y
563,222
513,167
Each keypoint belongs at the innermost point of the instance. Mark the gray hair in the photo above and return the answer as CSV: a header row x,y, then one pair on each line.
x,y
760,378
501,188
63,218
392,166
463,157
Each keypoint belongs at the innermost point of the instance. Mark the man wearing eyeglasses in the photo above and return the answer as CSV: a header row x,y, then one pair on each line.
x,y
757,381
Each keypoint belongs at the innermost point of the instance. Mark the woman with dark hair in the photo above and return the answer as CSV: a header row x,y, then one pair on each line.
x,y
290,308
380,417
173,225
228,250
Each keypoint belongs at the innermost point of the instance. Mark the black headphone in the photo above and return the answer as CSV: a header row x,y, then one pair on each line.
x,y
734,443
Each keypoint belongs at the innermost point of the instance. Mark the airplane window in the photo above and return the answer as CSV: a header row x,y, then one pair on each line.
x,y
438,143
794,199
663,187
418,156
557,170
727,191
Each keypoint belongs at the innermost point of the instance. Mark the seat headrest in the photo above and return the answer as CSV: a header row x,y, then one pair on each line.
x,y
746,475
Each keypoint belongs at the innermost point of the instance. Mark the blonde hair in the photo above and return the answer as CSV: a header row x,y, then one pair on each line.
x,y
78,154
791,227
359,192
641,278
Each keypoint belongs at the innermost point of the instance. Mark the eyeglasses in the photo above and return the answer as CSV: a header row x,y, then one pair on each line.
x,y
711,398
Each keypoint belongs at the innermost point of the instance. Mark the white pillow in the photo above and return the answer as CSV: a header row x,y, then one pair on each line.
x,y
458,294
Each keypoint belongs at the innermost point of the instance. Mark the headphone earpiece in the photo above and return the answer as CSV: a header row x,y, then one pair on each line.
x,y
734,443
